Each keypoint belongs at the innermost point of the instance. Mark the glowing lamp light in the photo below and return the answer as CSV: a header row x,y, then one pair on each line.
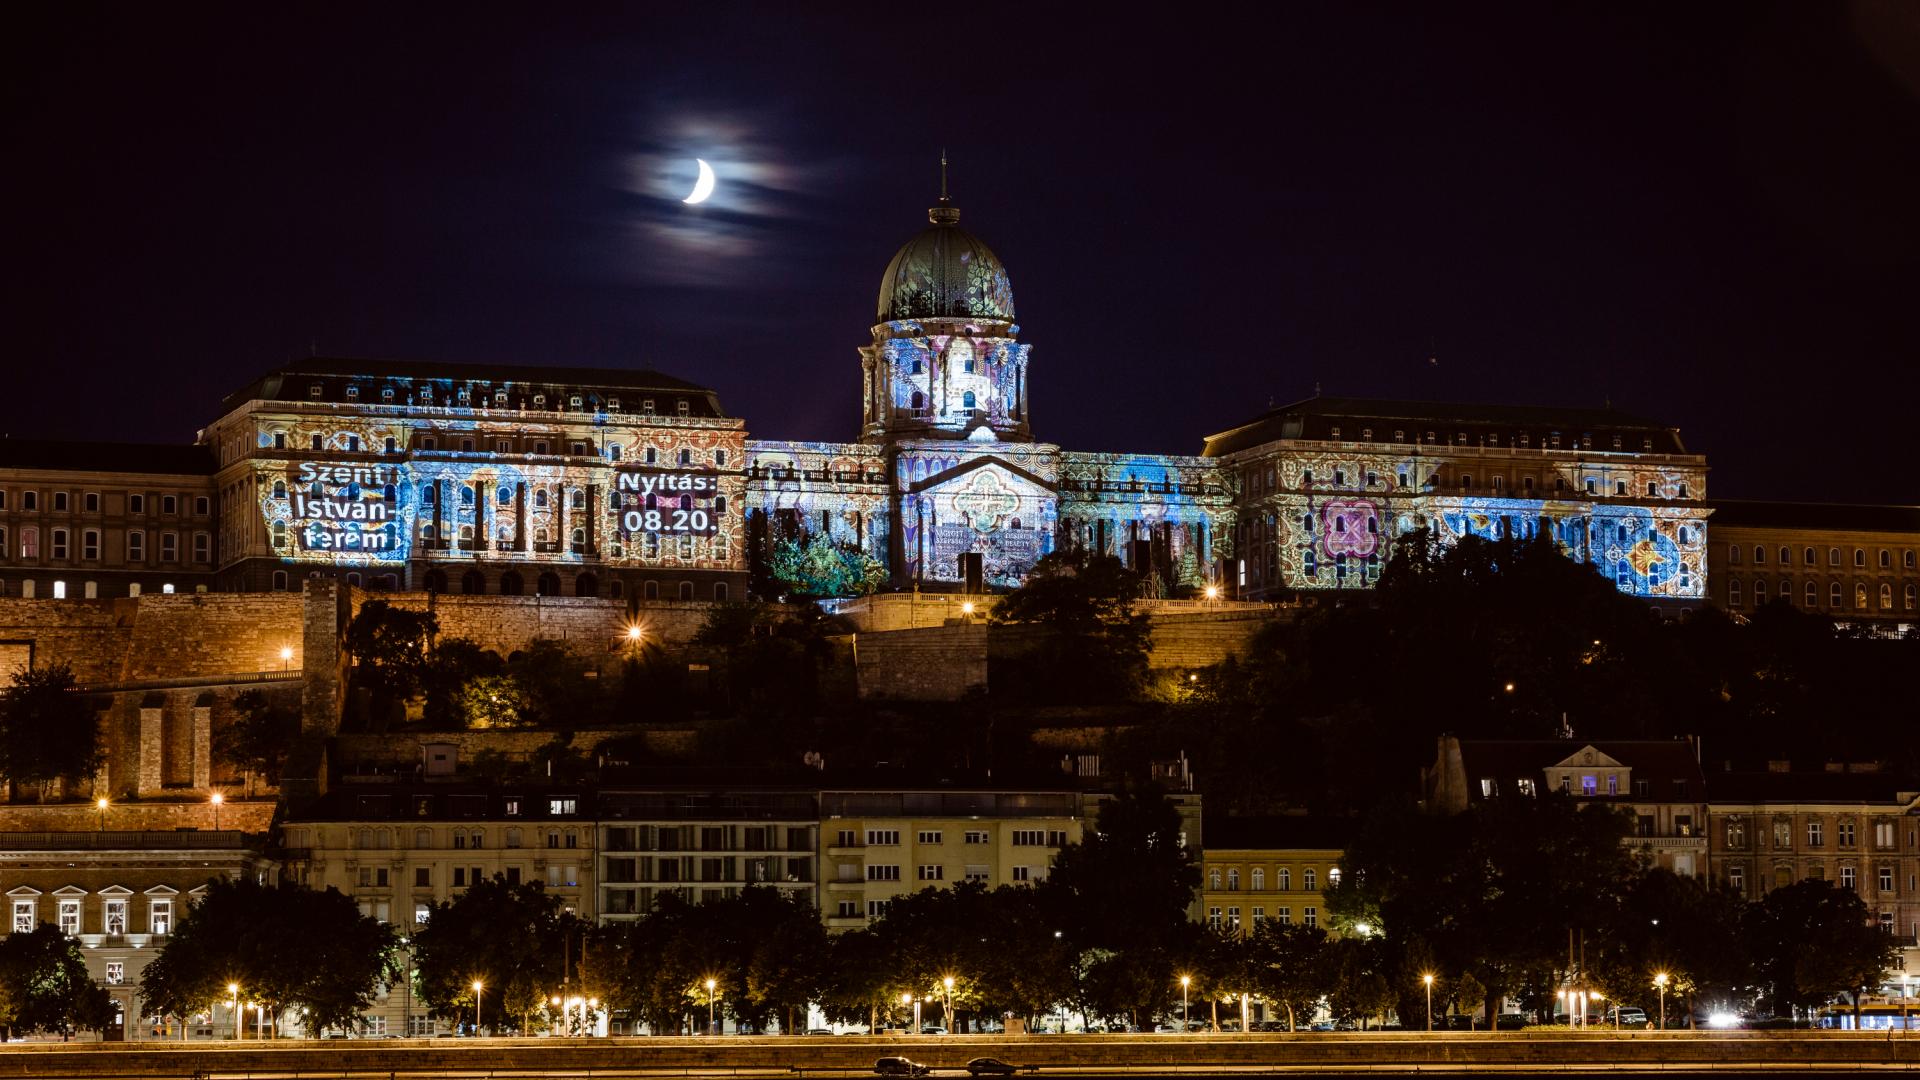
x,y
1213,592
633,633
286,652
216,798
233,988
1186,980
101,803
949,981
1509,688
1428,979
966,608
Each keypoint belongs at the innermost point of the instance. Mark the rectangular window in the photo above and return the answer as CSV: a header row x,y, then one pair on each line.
x,y
70,917
23,916
1886,880
932,872
423,877
1813,834
846,838
1310,916
1023,873
560,807
1737,880
976,872
930,837
1845,832
169,547
1029,837
160,917
116,972
877,909
459,877
882,872
1883,835
883,837
169,504
91,502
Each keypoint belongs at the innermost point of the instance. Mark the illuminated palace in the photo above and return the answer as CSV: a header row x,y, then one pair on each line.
x,y
638,485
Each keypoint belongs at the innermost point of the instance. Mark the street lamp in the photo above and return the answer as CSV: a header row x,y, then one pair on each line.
x,y
1660,980
633,633
948,982
1428,979
1244,1029
101,805
286,658
1186,1020
478,986
234,989
1213,592
216,799
710,986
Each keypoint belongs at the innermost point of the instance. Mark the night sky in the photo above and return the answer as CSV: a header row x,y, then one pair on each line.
x,y
1707,214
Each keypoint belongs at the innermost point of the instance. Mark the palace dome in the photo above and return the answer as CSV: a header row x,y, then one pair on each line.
x,y
945,272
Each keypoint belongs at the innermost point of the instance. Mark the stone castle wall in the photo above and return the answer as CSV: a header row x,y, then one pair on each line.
x,y
934,663
591,625
157,637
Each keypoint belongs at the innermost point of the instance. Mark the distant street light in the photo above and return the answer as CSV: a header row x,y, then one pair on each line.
x,y
234,989
1428,979
216,799
633,634
101,804
948,981
286,658
1213,592
478,986
1660,981
710,986
1186,1020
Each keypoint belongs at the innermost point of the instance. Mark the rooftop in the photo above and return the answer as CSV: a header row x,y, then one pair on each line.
x,y
1321,417
182,459
1855,517
289,382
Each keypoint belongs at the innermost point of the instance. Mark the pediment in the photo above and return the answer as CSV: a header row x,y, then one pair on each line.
x,y
23,891
163,890
69,891
1015,475
1587,757
116,890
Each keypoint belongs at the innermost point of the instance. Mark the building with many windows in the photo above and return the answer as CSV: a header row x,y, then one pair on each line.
x,y
1256,869
1858,565
86,520
121,894
1855,827
397,848
877,845
704,843
1324,485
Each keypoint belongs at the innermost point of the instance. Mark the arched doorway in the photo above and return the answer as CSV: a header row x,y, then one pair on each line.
x,y
549,584
473,583
437,581
510,584
586,585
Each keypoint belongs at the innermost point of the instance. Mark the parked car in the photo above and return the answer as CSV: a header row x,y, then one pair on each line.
x,y
899,1066
1628,1016
819,1031
933,1029
990,1066
1511,1021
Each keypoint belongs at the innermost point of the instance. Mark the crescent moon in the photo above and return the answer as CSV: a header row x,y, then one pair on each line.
x,y
702,187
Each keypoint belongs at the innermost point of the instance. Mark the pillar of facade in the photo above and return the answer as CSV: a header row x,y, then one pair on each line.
x,y
202,748
150,748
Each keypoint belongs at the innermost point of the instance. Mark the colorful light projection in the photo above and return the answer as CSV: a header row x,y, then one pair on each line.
x,y
1181,505
508,507
1334,528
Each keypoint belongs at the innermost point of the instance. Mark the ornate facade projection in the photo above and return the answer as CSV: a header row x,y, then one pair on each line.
x,y
1328,482
483,480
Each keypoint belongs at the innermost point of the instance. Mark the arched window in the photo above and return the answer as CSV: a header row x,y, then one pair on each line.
x,y
1860,598
1734,598
1810,557
578,541
720,506
1233,879
437,581
1886,598
510,584
1833,596
720,593
279,534
1733,554
279,581
967,400
1283,879
1759,555
650,591
1259,879
473,583
1759,593
918,401
1786,555
549,584
586,585
540,498
279,489
466,495
1307,880
1813,596
429,494
505,495
1911,597
686,590
1466,481
1859,556
1906,559
1886,559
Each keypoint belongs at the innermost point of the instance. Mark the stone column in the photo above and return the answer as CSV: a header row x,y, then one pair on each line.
x,y
202,748
149,752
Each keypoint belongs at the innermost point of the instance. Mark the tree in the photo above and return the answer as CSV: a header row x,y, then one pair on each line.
x,y
452,672
1088,644
1812,942
772,655
47,729
819,566
389,648
286,946
44,985
263,731
1290,965
1681,926
509,938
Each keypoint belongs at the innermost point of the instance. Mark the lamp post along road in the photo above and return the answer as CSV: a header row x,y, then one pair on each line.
x,y
710,986
1186,1019
1660,981
1428,979
948,982
234,989
478,987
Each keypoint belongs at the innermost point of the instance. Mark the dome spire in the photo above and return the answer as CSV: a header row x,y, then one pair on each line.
x,y
946,213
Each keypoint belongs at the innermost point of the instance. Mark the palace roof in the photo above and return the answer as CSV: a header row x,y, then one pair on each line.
x,y
1351,419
